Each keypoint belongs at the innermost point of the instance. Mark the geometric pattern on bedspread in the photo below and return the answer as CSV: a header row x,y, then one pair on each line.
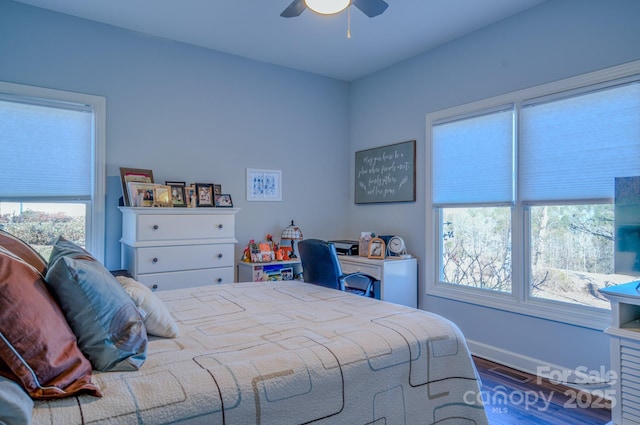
x,y
287,353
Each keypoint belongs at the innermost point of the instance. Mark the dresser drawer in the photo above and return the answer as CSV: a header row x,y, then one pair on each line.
x,y
187,278
182,227
159,259
371,270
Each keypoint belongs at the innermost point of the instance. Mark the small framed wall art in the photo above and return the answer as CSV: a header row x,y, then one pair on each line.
x,y
264,185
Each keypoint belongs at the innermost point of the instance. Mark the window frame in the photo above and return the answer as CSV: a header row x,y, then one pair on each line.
x,y
518,301
95,210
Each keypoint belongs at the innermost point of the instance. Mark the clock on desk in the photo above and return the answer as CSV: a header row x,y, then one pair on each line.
x,y
396,247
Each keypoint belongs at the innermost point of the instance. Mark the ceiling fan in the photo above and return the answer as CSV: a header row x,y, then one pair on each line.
x,y
371,8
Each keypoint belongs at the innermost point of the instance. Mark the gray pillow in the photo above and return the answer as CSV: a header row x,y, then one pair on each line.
x,y
106,322
15,403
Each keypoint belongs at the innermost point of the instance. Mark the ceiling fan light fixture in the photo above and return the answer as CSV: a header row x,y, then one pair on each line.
x,y
327,7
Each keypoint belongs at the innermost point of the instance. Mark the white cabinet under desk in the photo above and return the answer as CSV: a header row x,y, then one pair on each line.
x,y
398,276
168,248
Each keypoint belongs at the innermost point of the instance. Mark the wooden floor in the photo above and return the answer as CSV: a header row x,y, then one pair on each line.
x,y
513,397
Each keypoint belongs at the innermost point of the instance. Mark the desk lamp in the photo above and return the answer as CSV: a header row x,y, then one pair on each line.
x,y
292,233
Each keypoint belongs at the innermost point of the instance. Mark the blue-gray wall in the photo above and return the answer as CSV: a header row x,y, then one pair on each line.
x,y
554,40
197,115
194,115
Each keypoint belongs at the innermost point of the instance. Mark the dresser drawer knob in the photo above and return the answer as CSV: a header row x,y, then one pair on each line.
x,y
156,227
220,255
219,280
155,260
220,226
154,287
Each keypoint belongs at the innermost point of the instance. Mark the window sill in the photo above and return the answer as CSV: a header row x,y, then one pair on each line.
x,y
586,317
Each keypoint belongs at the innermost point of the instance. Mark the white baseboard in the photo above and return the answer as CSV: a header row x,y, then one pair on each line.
x,y
537,367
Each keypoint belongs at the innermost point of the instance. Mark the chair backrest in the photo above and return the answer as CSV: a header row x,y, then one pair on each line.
x,y
320,263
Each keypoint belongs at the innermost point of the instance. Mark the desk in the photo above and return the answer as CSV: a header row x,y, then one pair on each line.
x,y
260,272
398,276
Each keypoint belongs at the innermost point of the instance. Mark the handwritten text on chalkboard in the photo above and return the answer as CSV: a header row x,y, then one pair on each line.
x,y
386,174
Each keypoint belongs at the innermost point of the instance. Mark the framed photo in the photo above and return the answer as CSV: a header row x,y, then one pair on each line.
x,y
376,248
133,175
264,185
162,196
217,189
287,273
177,195
168,183
204,194
141,194
223,200
190,196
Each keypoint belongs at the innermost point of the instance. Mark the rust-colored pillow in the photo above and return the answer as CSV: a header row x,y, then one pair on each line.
x,y
38,350
23,250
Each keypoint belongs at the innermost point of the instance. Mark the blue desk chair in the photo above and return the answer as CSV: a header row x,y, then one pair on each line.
x,y
320,266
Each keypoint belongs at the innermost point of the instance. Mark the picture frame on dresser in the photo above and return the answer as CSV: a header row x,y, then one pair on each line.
x,y
178,196
204,194
190,195
138,175
141,194
162,196
223,200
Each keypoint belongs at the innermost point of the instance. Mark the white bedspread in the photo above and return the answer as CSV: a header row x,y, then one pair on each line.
x,y
287,353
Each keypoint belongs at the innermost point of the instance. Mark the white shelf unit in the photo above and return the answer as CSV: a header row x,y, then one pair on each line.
x,y
398,276
168,248
625,351
259,272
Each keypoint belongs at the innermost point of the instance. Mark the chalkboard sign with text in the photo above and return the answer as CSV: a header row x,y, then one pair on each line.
x,y
386,174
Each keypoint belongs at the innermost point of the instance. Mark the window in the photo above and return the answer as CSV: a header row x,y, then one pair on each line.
x,y
54,183
521,210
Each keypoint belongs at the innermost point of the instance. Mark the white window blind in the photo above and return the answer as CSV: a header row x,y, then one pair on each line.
x,y
46,149
573,148
473,159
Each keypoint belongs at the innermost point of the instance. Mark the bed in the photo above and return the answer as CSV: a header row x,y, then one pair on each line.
x,y
286,353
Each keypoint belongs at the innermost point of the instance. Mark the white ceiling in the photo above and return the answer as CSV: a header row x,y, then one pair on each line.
x,y
310,42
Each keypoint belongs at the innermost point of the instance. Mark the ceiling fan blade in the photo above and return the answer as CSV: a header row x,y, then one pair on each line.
x,y
294,9
371,8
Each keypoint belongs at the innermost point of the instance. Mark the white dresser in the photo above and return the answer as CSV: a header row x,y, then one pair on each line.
x,y
168,248
625,352
398,277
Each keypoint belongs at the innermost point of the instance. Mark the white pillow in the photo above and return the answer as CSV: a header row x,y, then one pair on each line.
x,y
156,317
15,403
